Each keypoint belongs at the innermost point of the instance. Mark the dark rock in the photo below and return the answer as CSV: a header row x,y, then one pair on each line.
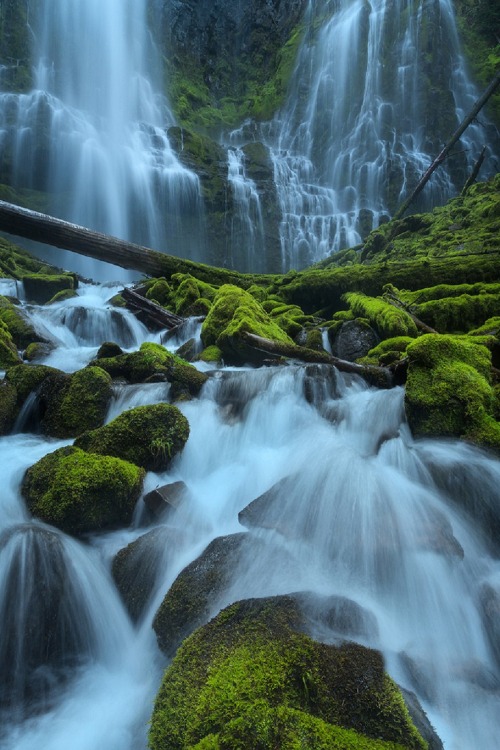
x,y
109,349
337,614
489,598
138,567
269,510
419,718
166,498
353,340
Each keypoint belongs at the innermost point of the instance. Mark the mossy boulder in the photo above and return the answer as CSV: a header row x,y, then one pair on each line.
x,y
388,351
148,436
388,321
71,404
41,288
8,350
80,492
27,378
8,406
20,329
153,362
251,679
448,391
235,312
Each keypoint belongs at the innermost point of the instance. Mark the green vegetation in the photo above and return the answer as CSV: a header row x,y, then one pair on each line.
x,y
21,331
78,492
389,321
148,436
8,351
248,679
42,288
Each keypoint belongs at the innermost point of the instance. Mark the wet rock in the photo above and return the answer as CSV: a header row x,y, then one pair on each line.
x,y
109,349
489,598
166,498
335,614
40,288
138,567
270,510
354,339
421,721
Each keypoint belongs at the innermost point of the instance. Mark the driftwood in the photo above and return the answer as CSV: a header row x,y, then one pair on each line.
x,y
475,171
447,148
32,225
150,312
379,376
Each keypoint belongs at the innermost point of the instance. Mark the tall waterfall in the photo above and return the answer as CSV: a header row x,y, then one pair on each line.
x,y
376,93
92,131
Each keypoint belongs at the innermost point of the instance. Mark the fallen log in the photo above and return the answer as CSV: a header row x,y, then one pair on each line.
x,y
392,299
32,225
149,311
379,376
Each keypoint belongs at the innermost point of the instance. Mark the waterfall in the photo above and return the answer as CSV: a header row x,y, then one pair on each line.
x,y
247,227
376,92
92,132
321,472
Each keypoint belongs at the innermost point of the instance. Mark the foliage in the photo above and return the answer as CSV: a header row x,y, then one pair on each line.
x,y
389,321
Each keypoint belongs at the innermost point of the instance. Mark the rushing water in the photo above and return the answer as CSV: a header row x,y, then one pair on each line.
x,y
92,131
354,509
366,115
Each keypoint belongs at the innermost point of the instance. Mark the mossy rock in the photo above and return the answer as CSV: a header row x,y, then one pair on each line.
x,y
448,391
235,312
8,407
154,362
187,294
9,355
251,679
210,354
41,288
72,404
148,436
80,492
15,262
388,351
159,290
20,329
61,296
27,378
389,321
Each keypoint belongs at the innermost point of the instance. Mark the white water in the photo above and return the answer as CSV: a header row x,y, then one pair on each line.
x,y
92,131
357,132
357,514
247,226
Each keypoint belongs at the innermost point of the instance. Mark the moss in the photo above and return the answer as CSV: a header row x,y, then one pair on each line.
x,y
448,391
8,406
235,312
8,351
489,327
250,661
388,351
389,321
64,294
41,288
21,331
159,291
210,354
79,492
15,263
459,314
82,405
148,436
187,293
27,378
36,351
153,361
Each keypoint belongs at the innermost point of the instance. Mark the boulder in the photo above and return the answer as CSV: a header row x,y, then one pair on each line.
x,y
40,288
165,499
78,492
489,598
354,339
148,436
251,678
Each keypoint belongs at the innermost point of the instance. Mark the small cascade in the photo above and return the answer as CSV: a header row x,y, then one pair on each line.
x,y
361,126
247,226
92,134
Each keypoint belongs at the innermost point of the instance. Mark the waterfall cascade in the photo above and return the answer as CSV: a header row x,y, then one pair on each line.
x,y
354,508
92,131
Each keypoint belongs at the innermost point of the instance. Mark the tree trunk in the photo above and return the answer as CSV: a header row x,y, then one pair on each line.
x,y
32,225
445,150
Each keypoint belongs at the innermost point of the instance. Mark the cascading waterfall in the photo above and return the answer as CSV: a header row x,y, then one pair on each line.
x,y
92,131
247,227
354,508
366,115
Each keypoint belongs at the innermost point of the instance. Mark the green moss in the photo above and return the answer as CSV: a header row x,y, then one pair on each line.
x,y
388,351
448,391
79,492
489,327
210,354
41,288
8,351
21,331
159,291
250,661
27,378
8,406
15,262
148,436
389,321
64,294
459,314
83,404
235,312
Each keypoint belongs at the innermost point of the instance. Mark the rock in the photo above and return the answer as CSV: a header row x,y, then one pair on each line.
x,y
8,407
353,340
109,349
269,510
138,567
163,432
419,718
489,598
78,492
251,678
40,288
166,498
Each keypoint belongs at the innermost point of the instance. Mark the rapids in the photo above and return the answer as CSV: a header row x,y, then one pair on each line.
x,y
358,509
